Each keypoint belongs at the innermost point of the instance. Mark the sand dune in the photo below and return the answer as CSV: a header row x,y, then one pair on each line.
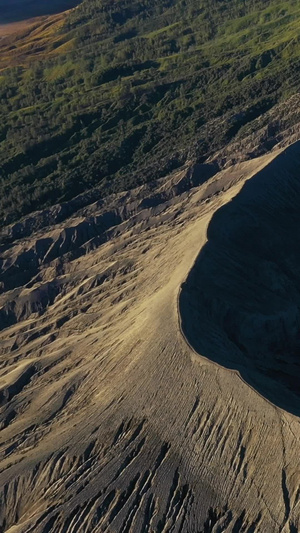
x,y
115,416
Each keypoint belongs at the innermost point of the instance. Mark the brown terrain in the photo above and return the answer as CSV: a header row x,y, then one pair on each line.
x,y
23,41
149,355
14,27
20,11
32,33
23,29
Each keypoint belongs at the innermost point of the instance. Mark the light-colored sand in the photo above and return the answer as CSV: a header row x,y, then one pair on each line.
x,y
111,421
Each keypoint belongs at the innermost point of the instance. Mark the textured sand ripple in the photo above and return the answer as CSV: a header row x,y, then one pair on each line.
x,y
110,422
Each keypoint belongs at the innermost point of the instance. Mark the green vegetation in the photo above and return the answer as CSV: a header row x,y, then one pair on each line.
x,y
128,90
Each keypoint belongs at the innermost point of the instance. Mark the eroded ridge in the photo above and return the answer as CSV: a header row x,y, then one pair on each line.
x,y
109,422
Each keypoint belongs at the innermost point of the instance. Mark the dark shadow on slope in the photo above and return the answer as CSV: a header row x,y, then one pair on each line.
x,y
18,10
240,305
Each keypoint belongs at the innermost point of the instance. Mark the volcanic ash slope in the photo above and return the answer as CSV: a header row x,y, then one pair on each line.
x,y
138,391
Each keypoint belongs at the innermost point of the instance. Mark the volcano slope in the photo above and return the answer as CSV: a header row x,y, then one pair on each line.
x,y
240,304
111,420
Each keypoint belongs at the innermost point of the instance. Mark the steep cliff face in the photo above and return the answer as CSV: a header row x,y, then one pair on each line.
x,y
244,289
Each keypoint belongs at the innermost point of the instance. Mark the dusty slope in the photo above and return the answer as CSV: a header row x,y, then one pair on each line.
x,y
110,420
252,251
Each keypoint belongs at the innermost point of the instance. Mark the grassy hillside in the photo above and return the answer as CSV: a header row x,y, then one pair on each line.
x,y
123,92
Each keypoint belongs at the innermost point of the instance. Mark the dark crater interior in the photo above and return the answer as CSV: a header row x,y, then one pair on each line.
x,y
240,305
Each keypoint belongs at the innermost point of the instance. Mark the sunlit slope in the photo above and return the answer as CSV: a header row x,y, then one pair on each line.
x,y
121,94
110,420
